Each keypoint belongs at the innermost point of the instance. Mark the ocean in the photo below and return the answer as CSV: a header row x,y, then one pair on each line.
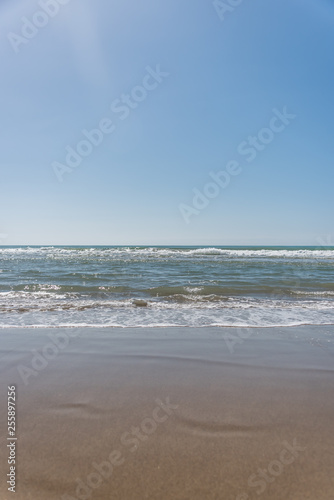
x,y
99,286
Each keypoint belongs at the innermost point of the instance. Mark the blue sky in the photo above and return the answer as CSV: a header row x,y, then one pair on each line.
x,y
225,77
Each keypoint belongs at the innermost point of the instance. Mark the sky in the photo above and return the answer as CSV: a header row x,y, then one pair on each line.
x,y
187,122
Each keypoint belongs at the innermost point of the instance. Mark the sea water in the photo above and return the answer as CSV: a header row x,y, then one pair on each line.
x,y
166,286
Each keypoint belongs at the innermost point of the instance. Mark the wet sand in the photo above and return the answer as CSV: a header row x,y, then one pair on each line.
x,y
134,414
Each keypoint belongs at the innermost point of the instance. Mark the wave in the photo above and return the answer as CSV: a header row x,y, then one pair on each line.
x,y
169,252
181,293
233,312
184,303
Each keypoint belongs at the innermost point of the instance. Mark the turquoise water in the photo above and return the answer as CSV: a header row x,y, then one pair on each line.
x,y
182,286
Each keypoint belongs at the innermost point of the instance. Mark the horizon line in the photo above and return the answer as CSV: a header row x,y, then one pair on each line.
x,y
156,245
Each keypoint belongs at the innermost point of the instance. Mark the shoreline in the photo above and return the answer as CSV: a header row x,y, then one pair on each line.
x,y
171,413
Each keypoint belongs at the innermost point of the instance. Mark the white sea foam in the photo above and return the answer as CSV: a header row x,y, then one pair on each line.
x,y
119,252
233,313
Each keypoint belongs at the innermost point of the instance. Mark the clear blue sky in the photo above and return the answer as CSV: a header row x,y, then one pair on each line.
x,y
225,78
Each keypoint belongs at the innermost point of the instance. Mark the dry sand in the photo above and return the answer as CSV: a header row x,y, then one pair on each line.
x,y
170,414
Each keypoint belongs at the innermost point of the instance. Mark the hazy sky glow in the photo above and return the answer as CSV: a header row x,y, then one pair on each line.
x,y
176,91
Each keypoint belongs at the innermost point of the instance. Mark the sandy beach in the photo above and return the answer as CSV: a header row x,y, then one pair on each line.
x,y
170,413
166,250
